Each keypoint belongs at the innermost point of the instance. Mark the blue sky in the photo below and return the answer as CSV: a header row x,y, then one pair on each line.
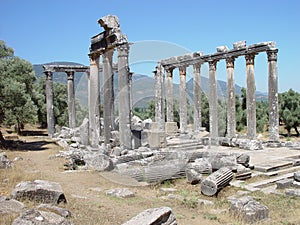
x,y
43,31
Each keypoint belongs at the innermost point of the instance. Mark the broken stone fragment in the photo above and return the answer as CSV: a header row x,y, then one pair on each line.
x,y
154,216
39,191
120,193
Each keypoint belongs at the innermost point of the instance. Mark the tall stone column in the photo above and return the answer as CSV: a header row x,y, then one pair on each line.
x,y
124,97
273,95
251,101
231,117
71,99
182,100
213,103
197,97
159,97
108,95
49,103
94,100
169,94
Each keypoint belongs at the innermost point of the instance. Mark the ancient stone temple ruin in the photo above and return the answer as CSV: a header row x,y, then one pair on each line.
x,y
223,53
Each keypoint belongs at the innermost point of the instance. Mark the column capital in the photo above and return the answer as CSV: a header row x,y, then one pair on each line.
x,y
123,50
250,58
182,70
94,56
169,71
272,54
230,62
49,74
213,65
70,74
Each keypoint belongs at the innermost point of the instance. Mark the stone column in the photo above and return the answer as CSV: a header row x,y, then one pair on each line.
x,y
49,103
250,97
108,95
71,99
159,98
169,94
213,103
124,97
197,97
94,100
231,117
273,96
182,100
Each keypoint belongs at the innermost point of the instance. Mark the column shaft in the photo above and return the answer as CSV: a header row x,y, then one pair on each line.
x,y
231,117
251,98
49,103
124,97
169,95
159,97
108,95
273,95
94,101
197,98
182,100
71,99
213,103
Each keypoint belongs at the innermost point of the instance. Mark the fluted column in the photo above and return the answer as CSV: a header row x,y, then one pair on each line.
x,y
159,97
273,95
94,100
231,117
169,94
213,103
124,97
71,99
182,100
250,98
197,97
108,95
49,103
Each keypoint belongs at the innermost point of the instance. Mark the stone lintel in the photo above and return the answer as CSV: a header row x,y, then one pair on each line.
x,y
65,68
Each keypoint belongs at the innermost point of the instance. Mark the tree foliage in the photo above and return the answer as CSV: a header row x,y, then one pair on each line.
x,y
289,110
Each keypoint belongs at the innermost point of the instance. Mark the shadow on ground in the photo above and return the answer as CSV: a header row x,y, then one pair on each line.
x,y
27,146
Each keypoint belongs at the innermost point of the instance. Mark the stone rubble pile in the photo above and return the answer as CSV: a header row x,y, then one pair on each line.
x,y
5,162
290,185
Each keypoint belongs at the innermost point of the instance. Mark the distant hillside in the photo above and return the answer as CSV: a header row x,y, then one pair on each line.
x,y
142,86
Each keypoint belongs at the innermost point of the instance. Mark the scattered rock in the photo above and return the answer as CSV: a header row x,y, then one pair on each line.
x,y
193,177
172,197
154,216
248,210
57,210
10,206
39,217
297,176
167,190
203,202
120,193
40,191
292,192
285,183
201,165
5,162
99,162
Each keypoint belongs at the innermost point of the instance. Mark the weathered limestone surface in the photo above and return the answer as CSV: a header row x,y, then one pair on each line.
x,y
297,176
154,216
197,97
5,162
10,206
182,100
120,193
40,217
71,99
94,101
108,95
40,191
213,102
251,97
231,118
273,96
169,94
124,97
216,181
49,103
159,97
248,210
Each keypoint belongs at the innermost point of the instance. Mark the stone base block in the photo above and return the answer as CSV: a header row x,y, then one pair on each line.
x,y
157,139
171,128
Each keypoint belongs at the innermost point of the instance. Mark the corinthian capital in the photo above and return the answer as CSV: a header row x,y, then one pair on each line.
x,y
230,62
272,55
249,59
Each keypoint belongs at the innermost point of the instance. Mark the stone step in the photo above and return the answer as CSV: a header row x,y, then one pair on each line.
x,y
267,182
182,142
282,171
187,147
274,165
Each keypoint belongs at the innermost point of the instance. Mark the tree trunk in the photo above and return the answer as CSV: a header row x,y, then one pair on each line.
x,y
297,132
2,141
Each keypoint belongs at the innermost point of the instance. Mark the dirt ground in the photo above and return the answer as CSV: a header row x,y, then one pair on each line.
x,y
88,203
